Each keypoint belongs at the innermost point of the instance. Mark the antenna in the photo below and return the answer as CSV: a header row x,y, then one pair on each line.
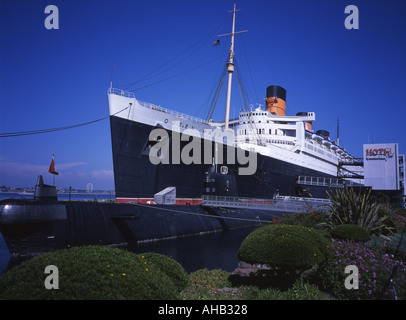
x,y
230,66
111,78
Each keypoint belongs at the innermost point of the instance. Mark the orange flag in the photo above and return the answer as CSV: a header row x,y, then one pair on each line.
x,y
52,166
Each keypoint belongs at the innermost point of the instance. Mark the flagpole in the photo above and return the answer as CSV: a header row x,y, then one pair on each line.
x,y
52,168
53,158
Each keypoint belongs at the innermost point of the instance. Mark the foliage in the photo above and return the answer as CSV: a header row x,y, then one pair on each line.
x,y
209,278
399,222
349,207
213,285
315,220
349,232
284,246
90,272
375,271
207,284
299,291
381,198
170,267
306,219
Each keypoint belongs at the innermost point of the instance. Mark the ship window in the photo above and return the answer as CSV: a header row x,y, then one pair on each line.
x,y
290,133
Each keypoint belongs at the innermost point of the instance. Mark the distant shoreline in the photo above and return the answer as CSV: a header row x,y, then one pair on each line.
x,y
62,195
67,192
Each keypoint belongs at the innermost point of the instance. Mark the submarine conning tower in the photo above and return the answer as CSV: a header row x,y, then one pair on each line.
x,y
45,192
276,100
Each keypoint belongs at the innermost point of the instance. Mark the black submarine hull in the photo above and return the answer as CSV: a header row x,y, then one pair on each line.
x,y
31,227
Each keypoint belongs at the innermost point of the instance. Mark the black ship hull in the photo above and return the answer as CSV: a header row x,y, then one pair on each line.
x,y
137,179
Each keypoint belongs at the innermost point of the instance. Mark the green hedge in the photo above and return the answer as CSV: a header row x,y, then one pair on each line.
x,y
286,246
349,232
170,267
94,272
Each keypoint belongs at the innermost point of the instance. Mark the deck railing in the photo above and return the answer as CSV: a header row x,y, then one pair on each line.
x,y
151,106
277,203
120,92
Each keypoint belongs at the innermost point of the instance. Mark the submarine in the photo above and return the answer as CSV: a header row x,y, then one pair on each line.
x,y
30,227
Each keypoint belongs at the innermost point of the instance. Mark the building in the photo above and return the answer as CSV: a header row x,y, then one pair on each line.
x,y
89,187
384,169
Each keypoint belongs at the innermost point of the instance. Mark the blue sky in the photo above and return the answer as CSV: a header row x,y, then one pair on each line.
x,y
54,78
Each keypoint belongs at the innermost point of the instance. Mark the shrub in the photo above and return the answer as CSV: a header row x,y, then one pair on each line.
x,y
399,222
349,232
209,278
306,219
375,271
299,291
349,207
170,267
285,246
91,272
324,233
204,284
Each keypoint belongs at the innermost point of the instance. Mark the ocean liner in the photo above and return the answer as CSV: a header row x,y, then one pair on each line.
x,y
177,175
261,153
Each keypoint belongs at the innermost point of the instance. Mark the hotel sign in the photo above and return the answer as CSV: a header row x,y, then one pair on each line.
x,y
381,166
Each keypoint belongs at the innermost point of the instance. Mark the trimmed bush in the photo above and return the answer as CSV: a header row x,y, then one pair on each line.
x,y
285,246
170,267
90,272
349,232
209,278
208,285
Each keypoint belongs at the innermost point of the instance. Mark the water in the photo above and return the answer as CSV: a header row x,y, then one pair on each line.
x,y
62,196
217,250
212,251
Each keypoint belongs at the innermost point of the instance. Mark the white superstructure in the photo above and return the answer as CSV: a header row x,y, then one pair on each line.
x,y
286,138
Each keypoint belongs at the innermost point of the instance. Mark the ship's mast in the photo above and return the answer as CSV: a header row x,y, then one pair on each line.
x,y
230,66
